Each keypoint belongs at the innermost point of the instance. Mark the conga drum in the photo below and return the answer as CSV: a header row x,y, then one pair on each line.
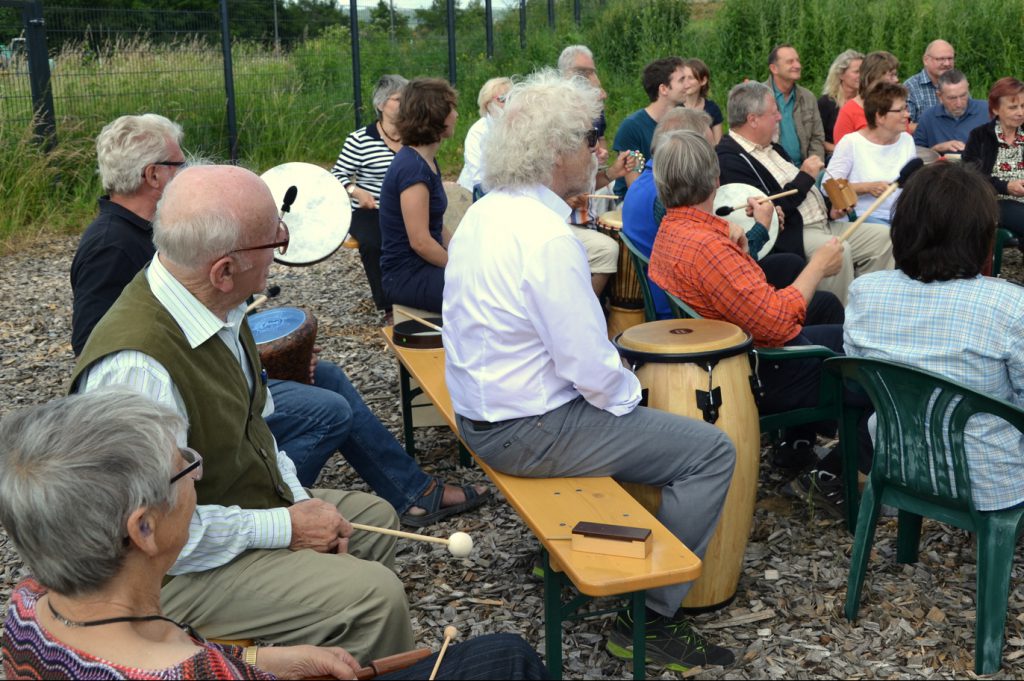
x,y
626,299
284,338
700,368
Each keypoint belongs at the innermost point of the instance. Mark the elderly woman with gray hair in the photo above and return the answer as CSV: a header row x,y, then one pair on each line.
x,y
364,160
97,497
491,100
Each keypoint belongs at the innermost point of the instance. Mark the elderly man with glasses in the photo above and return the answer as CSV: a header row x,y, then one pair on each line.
x,y
178,335
137,158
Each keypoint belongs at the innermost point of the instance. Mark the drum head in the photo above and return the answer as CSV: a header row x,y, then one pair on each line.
x,y
612,218
320,217
271,325
927,154
459,201
737,193
680,336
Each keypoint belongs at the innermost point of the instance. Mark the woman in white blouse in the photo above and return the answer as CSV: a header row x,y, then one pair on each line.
x,y
490,100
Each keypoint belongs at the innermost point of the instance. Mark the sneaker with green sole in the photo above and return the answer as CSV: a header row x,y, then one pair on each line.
x,y
672,643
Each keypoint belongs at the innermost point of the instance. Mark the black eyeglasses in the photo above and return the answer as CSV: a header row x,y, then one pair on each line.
x,y
592,136
281,246
175,164
194,469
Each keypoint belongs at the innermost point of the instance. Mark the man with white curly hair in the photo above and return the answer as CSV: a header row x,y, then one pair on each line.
x,y
538,388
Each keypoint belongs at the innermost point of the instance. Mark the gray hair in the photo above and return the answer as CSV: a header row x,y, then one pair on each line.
x,y
487,93
746,99
197,239
388,85
836,71
679,118
951,77
71,473
128,144
568,57
685,169
546,116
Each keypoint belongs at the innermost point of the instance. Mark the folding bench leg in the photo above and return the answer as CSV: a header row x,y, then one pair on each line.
x,y
405,387
638,602
552,619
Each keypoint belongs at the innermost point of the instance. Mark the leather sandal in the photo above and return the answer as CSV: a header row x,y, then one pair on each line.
x,y
432,499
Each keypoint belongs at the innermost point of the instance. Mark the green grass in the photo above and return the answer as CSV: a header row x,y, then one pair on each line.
x,y
298,105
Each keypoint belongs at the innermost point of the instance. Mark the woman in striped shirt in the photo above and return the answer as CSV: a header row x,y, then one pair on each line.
x,y
364,159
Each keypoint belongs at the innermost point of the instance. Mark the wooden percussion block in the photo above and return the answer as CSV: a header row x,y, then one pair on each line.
x,y
612,540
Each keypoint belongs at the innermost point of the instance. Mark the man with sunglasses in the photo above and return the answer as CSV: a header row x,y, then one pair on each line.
x,y
137,158
178,335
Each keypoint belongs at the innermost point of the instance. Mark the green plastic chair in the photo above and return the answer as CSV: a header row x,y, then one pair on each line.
x,y
920,467
640,265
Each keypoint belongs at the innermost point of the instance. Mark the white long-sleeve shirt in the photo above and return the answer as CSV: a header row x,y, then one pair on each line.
x,y
523,331
473,154
217,534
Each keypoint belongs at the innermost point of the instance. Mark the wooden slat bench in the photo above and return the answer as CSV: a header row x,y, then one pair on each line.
x,y
551,507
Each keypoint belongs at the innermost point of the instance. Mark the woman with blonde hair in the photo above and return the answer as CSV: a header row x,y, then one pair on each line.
x,y
491,101
841,85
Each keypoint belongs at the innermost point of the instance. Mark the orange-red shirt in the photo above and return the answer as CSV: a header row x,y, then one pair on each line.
x,y
694,259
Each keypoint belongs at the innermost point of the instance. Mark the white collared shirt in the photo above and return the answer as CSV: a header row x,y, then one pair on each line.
x,y
523,331
217,534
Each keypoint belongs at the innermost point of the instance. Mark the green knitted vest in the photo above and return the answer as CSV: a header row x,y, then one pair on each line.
x,y
226,424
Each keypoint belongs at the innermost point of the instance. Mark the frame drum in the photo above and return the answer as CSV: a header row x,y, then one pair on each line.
x,y
733,195
699,368
320,217
284,338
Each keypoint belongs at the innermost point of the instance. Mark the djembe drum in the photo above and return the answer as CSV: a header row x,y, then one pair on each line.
x,y
699,368
284,338
625,297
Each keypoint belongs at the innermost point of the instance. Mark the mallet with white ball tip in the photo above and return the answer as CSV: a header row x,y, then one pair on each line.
x,y
459,544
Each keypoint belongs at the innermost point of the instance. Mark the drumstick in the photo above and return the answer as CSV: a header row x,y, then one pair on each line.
x,y
450,632
905,172
725,210
459,544
602,196
421,320
257,301
393,663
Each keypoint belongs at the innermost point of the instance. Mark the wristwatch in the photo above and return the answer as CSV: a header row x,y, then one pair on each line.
x,y
350,188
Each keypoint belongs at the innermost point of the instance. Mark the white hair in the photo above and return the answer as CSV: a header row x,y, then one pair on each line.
x,y
546,116
71,473
488,91
568,57
130,143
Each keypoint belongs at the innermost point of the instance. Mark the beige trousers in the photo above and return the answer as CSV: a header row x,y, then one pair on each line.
x,y
868,249
287,597
602,250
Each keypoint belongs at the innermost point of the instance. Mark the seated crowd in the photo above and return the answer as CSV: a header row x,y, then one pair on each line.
x,y
240,545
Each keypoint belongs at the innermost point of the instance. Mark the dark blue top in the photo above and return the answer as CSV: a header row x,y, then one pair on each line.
x,y
634,134
711,109
407,169
935,125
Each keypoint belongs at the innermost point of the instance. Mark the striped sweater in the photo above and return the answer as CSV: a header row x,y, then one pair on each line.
x,y
365,158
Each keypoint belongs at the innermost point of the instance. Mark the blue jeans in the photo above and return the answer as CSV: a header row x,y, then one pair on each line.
x,y
311,422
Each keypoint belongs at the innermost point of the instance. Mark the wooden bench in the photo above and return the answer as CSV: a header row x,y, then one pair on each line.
x,y
551,507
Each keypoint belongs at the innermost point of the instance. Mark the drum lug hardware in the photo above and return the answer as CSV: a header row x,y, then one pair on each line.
x,y
710,401
644,395
756,385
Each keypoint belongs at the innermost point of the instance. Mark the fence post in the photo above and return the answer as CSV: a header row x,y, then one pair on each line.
x,y
39,74
551,13
452,75
229,82
489,28
357,69
576,12
522,24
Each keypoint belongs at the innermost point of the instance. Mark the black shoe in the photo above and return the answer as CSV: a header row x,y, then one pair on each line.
x,y
794,455
673,643
823,489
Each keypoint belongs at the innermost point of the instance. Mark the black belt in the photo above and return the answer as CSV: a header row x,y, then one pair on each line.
x,y
482,425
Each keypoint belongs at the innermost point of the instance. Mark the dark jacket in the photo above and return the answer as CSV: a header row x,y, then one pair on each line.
x,y
736,165
981,150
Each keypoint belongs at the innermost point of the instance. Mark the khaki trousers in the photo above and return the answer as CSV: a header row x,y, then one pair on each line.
x,y
869,249
287,597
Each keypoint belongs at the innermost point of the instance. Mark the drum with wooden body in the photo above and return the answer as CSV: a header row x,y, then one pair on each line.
x,y
625,297
699,368
284,338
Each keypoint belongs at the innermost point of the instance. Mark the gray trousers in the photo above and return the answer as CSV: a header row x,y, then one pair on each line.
x,y
690,460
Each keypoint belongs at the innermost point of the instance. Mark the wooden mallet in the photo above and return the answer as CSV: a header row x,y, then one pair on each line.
x,y
459,544
422,321
450,632
722,211
905,172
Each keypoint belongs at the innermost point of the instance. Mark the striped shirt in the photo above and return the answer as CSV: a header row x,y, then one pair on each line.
x,y
365,157
216,534
969,330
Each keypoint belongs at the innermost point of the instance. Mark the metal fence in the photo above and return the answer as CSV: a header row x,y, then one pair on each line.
x,y
242,72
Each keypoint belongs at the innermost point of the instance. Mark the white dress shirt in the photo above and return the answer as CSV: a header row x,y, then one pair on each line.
x,y
217,534
523,330
473,168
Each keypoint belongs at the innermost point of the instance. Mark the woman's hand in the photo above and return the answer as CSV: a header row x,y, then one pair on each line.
x,y
364,198
873,188
305,662
1015,187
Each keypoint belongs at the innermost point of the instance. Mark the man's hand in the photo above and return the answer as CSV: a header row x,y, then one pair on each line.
x,y
812,165
952,146
578,202
737,235
837,213
760,210
625,162
307,662
828,258
782,217
317,525
312,364
364,198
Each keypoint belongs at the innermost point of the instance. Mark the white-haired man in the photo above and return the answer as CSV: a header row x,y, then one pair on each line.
x,y
137,158
178,335
537,396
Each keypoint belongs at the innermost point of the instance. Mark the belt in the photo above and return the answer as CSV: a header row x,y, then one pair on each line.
x,y
482,425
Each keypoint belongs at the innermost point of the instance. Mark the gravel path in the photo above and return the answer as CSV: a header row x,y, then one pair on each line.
x,y
786,621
